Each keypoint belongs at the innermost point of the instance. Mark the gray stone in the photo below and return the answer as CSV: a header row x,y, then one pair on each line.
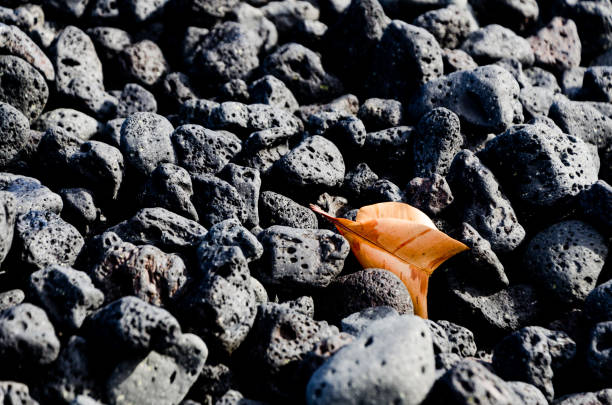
x,y
135,98
431,194
29,194
358,322
143,62
276,209
566,259
528,394
23,86
599,352
449,25
16,42
272,91
16,393
8,216
230,233
247,181
598,304
72,121
169,187
300,257
596,398
217,200
11,298
14,133
391,362
495,42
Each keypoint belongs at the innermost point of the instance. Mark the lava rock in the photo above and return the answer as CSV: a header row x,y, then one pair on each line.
x,y
495,42
599,397
18,43
135,98
364,289
598,304
14,132
314,162
247,182
392,360
67,295
527,393
143,62
22,86
145,142
383,190
557,46
436,141
582,120
166,376
406,57
491,88
11,298
379,113
430,194
456,60
42,239
170,187
566,259
14,392
161,228
270,90
221,307
358,322
533,355
359,179
229,233
30,194
217,200
483,204
449,25
72,121
300,257
8,216
514,14
276,209
599,353
142,271
460,339
303,73
468,380
27,337
539,166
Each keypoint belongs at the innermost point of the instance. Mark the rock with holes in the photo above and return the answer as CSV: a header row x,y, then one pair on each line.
x,y
166,375
145,142
143,62
140,11
27,337
436,141
79,73
449,25
599,352
217,200
406,57
597,84
460,339
557,45
314,162
135,98
247,182
536,100
255,19
16,393
22,86
130,327
13,41
566,259
272,91
597,398
229,51
582,120
533,355
494,42
221,306
30,194
358,322
348,132
14,133
263,148
598,304
539,166
359,179
484,98
72,374
303,258
229,233
290,13
72,121
594,205
162,228
470,381
8,216
79,163
42,239
302,71
169,187
379,113
142,271
392,361
456,60
204,151
67,295
11,298
383,190
430,194
281,336
527,393
483,204
276,209
109,42
363,289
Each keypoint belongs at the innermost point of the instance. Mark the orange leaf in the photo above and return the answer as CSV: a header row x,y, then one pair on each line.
x,y
399,238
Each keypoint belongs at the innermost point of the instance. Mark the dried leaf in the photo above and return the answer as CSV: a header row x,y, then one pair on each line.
x,y
399,238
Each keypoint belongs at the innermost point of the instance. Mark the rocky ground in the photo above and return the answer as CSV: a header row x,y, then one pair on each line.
x,y
157,158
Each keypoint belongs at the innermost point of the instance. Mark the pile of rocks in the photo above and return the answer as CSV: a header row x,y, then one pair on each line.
x,y
157,158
